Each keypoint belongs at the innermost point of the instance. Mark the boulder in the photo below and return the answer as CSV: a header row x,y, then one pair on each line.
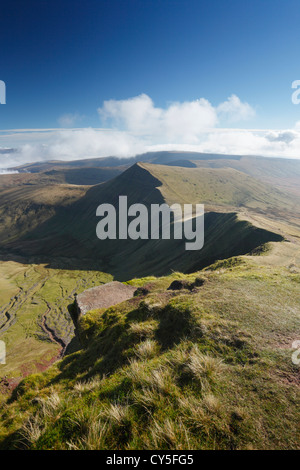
x,y
103,296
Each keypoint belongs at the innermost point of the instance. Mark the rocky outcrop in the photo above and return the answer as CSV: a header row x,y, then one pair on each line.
x,y
103,296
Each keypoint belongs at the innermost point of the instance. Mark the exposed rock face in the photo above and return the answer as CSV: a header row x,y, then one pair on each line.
x,y
103,296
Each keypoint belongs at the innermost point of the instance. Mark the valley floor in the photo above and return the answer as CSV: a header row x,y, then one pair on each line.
x,y
34,320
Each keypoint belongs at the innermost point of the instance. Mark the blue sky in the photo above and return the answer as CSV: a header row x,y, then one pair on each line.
x,y
61,60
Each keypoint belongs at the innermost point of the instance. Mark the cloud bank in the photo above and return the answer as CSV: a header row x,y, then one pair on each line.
x,y
179,122
136,125
8,172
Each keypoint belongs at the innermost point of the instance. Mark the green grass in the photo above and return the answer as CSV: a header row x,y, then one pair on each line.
x,y
194,361
207,368
223,187
30,292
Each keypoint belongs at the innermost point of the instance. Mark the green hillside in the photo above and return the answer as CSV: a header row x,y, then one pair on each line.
x,y
281,173
223,187
200,363
200,358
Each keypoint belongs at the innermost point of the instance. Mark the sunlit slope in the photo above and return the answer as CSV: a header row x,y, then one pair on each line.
x,y
281,173
223,187
71,233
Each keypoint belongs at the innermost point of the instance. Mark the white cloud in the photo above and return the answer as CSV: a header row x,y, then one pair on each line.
x,y
180,121
70,144
8,172
136,125
234,110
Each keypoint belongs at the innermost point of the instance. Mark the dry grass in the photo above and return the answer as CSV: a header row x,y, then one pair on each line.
x,y
197,416
150,389
192,410
31,430
153,389
88,385
135,372
169,434
95,427
180,355
116,413
49,410
144,329
203,367
151,305
161,380
147,349
146,398
94,439
212,404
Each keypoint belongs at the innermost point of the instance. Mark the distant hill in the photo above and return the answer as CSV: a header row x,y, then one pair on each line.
x,y
162,158
282,166
282,173
182,163
84,176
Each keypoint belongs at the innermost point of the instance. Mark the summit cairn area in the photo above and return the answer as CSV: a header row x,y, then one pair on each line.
x,y
103,296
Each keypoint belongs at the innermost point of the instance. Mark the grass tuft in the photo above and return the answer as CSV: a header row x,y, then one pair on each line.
x,y
204,367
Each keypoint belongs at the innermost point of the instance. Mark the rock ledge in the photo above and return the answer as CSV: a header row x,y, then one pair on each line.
x,y
103,296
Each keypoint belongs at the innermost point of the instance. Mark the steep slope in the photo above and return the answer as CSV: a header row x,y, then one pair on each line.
x,y
70,233
24,206
225,188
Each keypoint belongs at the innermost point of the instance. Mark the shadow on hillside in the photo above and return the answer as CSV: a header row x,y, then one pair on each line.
x,y
225,236
107,348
